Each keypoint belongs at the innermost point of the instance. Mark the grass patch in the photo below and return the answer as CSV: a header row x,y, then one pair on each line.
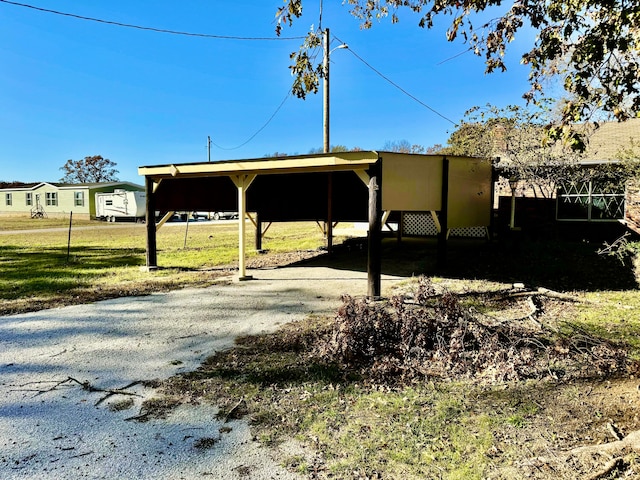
x,y
37,271
25,223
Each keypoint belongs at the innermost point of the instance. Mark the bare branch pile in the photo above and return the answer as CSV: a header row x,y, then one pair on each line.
x,y
427,335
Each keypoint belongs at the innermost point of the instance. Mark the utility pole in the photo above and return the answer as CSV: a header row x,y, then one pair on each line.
x,y
325,91
209,147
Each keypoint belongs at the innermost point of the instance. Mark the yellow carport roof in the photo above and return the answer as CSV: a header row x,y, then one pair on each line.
x,y
326,162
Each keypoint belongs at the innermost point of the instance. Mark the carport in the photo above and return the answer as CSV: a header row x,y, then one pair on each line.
x,y
364,186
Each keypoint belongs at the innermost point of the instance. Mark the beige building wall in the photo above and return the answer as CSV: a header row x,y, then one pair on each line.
x,y
414,184
469,192
54,201
411,183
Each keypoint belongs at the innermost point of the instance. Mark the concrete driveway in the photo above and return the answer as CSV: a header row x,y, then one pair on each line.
x,y
53,428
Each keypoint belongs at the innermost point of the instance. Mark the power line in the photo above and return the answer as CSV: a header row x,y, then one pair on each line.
x,y
455,56
260,129
150,29
396,85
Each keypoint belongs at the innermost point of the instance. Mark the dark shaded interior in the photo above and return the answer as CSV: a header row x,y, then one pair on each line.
x,y
282,197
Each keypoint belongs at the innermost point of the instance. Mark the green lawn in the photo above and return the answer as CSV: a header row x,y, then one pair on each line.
x,y
41,268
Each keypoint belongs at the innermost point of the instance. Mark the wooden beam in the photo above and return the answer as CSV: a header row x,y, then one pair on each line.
x,y
374,260
165,219
242,182
436,222
444,214
150,215
258,224
385,216
330,213
363,175
250,217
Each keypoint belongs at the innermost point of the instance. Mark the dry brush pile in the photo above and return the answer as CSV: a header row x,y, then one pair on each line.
x,y
430,335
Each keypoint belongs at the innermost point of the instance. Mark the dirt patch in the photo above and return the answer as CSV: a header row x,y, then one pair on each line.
x,y
568,416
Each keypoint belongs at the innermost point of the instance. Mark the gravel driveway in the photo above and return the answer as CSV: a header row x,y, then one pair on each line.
x,y
51,427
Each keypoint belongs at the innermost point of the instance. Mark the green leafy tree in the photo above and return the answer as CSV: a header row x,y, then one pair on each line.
x,y
93,169
518,137
592,45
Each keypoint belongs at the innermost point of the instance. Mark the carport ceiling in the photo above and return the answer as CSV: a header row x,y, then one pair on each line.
x,y
285,188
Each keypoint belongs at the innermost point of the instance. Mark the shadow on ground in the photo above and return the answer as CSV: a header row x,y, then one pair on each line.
x,y
558,264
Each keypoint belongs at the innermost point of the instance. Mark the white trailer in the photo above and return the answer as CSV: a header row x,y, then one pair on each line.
x,y
121,205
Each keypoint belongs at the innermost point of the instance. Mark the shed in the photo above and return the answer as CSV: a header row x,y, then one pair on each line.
x,y
358,186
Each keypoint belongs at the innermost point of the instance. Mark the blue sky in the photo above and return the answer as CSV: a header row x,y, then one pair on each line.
x,y
72,88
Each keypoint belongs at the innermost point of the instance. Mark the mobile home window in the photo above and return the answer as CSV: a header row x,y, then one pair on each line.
x,y
52,199
79,199
28,199
8,200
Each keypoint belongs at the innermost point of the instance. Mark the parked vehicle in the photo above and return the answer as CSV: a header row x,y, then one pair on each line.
x,y
120,205
214,215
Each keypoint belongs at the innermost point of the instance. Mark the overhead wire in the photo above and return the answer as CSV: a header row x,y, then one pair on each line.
x,y
395,84
260,129
455,56
231,37
151,29
174,32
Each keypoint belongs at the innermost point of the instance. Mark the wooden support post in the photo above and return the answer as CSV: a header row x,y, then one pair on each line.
x,y
374,260
444,214
150,214
242,182
400,226
512,217
258,223
330,213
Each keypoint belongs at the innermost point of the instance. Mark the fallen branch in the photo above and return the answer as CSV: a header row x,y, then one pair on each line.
x,y
82,454
547,293
142,417
39,391
631,441
119,391
610,466
190,336
85,386
90,388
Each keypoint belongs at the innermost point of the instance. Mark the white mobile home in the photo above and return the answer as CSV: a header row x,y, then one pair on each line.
x,y
46,199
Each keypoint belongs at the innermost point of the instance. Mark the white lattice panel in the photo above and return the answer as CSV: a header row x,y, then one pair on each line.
x,y
418,224
474,232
